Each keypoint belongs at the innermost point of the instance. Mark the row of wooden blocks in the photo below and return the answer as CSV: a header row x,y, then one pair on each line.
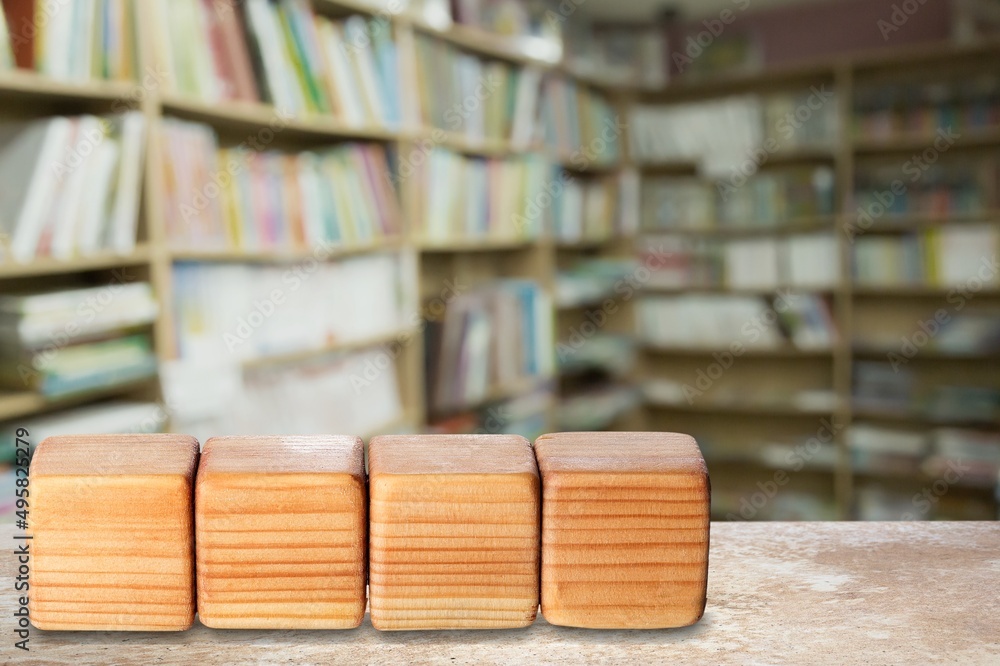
x,y
135,532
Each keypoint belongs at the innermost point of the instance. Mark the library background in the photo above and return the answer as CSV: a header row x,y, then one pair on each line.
x,y
772,225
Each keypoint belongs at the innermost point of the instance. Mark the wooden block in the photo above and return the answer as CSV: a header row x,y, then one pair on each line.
x,y
454,532
624,529
281,525
113,533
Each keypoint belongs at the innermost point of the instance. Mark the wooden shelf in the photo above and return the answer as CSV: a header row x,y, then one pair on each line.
x,y
915,143
804,225
285,256
21,404
476,245
585,243
927,353
909,223
921,417
748,352
496,394
650,289
744,408
484,43
919,291
25,84
249,117
344,346
776,78
95,262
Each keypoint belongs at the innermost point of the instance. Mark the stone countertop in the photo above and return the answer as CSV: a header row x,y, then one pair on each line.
x,y
778,593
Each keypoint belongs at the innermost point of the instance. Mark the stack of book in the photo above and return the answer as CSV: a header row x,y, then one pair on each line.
x,y
77,40
626,55
490,341
460,197
603,353
74,341
966,104
247,312
881,450
70,185
584,209
283,54
977,453
242,199
719,322
676,262
786,121
948,256
580,126
678,203
474,98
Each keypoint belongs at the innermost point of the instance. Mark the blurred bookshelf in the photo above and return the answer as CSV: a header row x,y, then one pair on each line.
x,y
640,276
826,321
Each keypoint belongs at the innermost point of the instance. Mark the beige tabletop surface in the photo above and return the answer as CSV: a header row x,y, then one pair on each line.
x,y
778,593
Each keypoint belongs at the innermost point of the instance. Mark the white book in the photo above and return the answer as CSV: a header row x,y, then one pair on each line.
x,y
89,137
967,252
526,106
28,181
812,261
125,211
96,202
752,264
361,57
280,80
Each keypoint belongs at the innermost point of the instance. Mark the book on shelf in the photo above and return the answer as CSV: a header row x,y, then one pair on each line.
x,y
241,199
965,104
970,457
70,186
493,339
949,186
752,263
765,200
107,417
880,387
247,312
883,450
75,40
283,54
39,320
591,281
472,97
78,368
960,255
584,209
616,54
723,135
597,408
353,392
579,125
725,322
528,24
604,353
677,262
460,197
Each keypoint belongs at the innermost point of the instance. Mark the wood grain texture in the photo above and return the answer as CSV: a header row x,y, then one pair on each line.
x,y
454,532
113,541
625,523
281,525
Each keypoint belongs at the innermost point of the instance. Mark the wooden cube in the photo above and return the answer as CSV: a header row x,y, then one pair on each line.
x,y
454,532
113,534
625,521
281,525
